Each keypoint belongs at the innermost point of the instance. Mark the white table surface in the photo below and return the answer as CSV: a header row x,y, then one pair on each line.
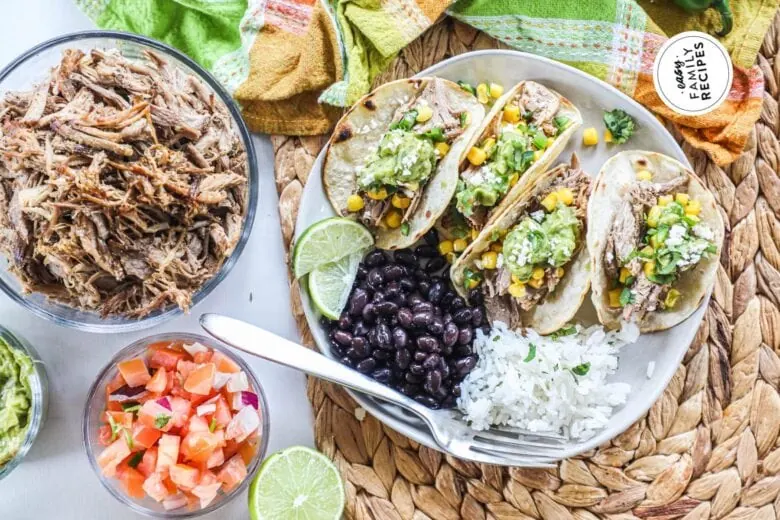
x,y
56,481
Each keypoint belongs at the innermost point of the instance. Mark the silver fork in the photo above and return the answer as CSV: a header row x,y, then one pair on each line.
x,y
505,447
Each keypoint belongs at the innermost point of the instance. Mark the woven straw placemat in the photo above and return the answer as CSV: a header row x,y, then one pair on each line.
x,y
707,449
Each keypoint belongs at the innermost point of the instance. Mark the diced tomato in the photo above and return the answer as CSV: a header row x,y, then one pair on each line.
x,y
181,411
165,357
199,446
134,372
202,357
248,449
186,477
230,448
132,482
153,415
232,473
222,415
224,363
148,463
207,488
145,437
104,435
155,487
115,384
201,380
123,419
172,489
159,381
198,424
184,368
217,458
167,451
110,457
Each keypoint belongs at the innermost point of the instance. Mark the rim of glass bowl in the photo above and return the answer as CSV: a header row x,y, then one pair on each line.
x,y
39,387
96,391
159,316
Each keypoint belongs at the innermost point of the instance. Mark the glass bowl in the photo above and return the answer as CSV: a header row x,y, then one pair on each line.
x,y
32,67
39,386
96,404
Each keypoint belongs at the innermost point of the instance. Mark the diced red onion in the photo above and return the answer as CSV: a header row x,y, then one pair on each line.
x,y
175,502
165,403
238,382
221,379
242,399
194,348
206,409
243,424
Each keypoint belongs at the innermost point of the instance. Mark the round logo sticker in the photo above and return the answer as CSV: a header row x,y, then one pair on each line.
x,y
692,73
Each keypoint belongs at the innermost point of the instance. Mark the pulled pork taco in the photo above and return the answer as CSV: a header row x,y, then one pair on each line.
x,y
393,158
524,132
530,264
654,237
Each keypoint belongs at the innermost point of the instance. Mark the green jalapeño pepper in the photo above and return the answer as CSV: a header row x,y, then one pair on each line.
x,y
722,6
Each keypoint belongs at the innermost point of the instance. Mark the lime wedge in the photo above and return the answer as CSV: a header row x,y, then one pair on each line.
x,y
297,483
330,285
328,241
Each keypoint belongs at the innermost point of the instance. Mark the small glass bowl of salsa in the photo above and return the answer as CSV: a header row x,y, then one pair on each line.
x,y
18,359
175,425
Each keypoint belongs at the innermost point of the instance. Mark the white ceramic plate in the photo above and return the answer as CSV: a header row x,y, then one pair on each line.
x,y
592,97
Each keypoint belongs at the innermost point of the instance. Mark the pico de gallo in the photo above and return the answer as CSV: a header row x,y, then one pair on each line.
x,y
181,425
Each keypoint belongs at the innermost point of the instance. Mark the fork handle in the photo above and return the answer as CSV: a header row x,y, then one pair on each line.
x,y
267,345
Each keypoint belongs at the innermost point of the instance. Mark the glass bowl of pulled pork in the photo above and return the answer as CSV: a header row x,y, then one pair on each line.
x,y
127,182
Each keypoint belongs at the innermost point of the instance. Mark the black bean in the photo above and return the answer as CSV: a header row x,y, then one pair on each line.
x,y
337,350
422,318
450,336
378,297
456,391
465,336
362,272
357,301
375,258
436,326
342,337
407,284
476,297
432,362
423,306
373,338
417,369
381,355
345,321
420,356
457,303
399,299
415,379
446,299
402,359
432,381
461,351
405,317
392,272
413,299
427,251
347,361
382,375
462,316
427,400
375,278
436,292
477,315
386,308
445,369
424,286
431,237
428,343
436,264
400,338
392,289
447,317
366,366
410,389
360,345
360,328
464,365
369,314
383,336
406,257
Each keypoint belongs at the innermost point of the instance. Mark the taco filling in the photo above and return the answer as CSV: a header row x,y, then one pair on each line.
x,y
527,125
657,235
390,183
527,261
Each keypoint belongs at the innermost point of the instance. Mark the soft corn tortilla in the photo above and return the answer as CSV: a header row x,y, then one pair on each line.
x,y
496,113
358,134
557,308
609,188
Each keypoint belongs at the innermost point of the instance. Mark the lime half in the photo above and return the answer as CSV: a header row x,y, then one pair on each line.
x,y
297,483
330,285
328,241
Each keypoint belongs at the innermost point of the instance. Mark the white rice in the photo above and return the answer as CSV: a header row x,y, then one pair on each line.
x,y
544,394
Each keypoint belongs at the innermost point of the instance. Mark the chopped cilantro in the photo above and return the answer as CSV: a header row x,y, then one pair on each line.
x,y
561,123
620,124
464,119
582,369
531,353
128,438
405,229
115,428
626,297
161,421
467,87
435,134
406,122
131,406
568,330
136,459
468,277
213,425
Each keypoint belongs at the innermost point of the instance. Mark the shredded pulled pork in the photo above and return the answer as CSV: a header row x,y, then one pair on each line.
x,y
123,184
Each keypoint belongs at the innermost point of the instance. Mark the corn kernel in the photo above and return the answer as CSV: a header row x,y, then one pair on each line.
x,y
513,179
488,144
482,93
550,201
538,155
380,194
550,141
663,200
559,272
653,215
515,279
671,298
472,283
565,195
489,259
647,251
535,283
517,290
614,297
682,198
424,113
624,274
476,156
511,113
693,207
590,137
538,273
607,136
459,245
393,219
400,202
442,148
451,257
497,247
496,90
474,234
644,175
656,242
445,247
649,268
355,203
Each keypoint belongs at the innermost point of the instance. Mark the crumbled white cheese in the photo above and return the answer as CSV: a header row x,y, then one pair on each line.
x,y
692,255
702,231
500,261
676,236
538,215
